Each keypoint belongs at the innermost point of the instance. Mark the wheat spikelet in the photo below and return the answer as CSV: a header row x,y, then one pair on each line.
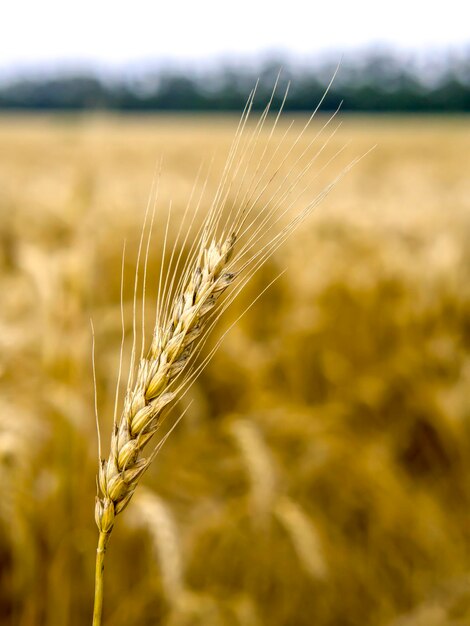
x,y
304,537
259,466
268,500
156,516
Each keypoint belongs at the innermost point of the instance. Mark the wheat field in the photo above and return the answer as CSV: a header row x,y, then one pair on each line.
x,y
321,472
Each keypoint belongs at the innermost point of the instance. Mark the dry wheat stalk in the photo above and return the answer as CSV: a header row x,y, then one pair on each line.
x,y
155,515
229,248
260,467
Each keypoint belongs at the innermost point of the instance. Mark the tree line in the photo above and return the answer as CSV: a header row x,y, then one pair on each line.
x,y
375,83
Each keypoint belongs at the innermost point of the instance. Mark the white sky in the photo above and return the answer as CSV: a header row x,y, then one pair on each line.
x,y
115,33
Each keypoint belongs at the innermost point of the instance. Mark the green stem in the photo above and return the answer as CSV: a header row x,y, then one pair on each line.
x,y
99,576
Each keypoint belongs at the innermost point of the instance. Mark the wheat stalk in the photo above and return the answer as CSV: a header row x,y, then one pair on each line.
x,y
229,248
156,517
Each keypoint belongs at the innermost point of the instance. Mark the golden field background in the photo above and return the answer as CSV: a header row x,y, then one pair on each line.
x,y
321,474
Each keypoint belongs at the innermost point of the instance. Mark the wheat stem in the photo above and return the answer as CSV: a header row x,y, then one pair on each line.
x,y
99,577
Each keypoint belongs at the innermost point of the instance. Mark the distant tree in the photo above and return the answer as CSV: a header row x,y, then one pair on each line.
x,y
380,81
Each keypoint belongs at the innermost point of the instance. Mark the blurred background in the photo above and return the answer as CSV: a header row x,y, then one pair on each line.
x,y
321,474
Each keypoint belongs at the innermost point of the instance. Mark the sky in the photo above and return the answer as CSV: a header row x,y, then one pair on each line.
x,y
100,33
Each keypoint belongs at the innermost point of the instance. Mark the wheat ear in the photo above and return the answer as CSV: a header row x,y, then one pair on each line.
x,y
229,248
168,355
172,345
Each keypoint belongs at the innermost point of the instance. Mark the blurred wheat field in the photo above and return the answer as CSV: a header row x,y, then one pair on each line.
x,y
321,474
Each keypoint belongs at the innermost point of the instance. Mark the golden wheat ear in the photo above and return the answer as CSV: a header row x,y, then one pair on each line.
x,y
246,223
